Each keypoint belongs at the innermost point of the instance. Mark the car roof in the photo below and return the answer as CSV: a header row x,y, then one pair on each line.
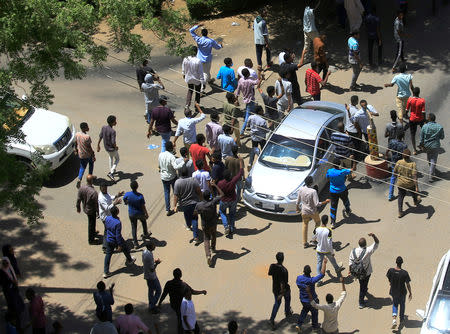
x,y
304,123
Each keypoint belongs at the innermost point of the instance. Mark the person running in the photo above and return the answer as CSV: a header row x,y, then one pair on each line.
x,y
280,288
399,36
246,85
103,300
207,208
142,71
105,203
136,211
330,310
199,152
151,94
261,36
309,28
416,107
226,142
362,118
354,58
248,64
83,148
130,323
430,139
201,175
88,196
398,281
162,116
406,171
394,128
285,103
373,27
288,70
309,199
205,46
192,70
212,131
108,135
154,287
258,131
226,76
36,311
361,257
187,127
307,283
270,103
231,113
314,82
338,190
395,151
404,87
115,240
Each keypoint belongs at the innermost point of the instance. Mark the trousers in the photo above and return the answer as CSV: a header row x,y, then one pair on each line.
x,y
259,52
113,160
334,203
277,304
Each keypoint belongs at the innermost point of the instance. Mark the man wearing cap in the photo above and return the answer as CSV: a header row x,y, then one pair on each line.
x,y
399,282
162,116
151,95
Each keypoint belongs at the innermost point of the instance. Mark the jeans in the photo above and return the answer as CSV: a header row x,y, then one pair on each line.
x,y
165,137
113,160
91,227
239,186
314,314
401,197
167,185
109,252
193,88
191,219
392,184
83,164
334,203
228,221
396,302
370,42
356,70
363,287
133,221
276,305
259,51
332,259
399,56
432,156
249,109
154,292
255,150
209,238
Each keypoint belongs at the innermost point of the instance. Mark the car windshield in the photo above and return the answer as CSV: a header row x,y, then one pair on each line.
x,y
21,110
288,153
439,319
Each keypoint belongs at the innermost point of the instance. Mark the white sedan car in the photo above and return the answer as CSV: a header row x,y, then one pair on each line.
x,y
436,316
48,133
299,146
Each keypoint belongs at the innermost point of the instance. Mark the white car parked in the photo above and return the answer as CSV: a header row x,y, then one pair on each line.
x,y
46,132
436,316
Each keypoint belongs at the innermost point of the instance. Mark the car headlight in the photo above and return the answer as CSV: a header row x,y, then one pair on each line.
x,y
293,195
45,149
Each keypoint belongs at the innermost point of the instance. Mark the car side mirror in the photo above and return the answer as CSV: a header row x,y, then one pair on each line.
x,y
421,314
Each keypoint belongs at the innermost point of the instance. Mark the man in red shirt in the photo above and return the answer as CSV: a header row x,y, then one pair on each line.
x,y
200,152
314,82
416,107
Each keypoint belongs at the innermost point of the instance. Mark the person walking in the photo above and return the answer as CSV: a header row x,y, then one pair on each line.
x,y
416,107
309,28
88,196
205,46
184,158
154,287
309,200
207,208
129,323
404,84
360,265
83,148
354,10
187,193
233,164
226,142
176,288
218,167
187,127
115,240
261,36
430,139
304,283
108,135
199,152
36,311
314,82
226,76
231,113
323,237
373,27
394,128
168,167
280,288
354,58
103,300
399,281
105,203
151,94
188,316
395,152
202,176
246,85
212,131
192,70
362,118
330,310
258,131
142,71
406,171
399,36
162,117
289,70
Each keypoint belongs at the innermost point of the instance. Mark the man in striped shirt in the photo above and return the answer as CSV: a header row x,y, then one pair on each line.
x,y
314,82
342,147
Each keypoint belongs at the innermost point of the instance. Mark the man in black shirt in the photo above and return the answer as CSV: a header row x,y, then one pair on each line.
x,y
398,278
142,71
176,289
291,68
280,288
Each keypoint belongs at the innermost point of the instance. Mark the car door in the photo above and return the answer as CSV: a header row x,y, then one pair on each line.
x,y
322,157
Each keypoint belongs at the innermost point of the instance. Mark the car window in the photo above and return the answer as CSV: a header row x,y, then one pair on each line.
x,y
21,110
323,144
439,316
333,124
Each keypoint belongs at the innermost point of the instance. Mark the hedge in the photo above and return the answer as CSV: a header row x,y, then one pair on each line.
x,y
200,9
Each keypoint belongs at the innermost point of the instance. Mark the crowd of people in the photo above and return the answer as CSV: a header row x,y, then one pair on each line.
x,y
207,179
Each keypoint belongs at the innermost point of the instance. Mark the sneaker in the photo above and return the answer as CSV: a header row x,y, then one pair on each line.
x,y
298,328
111,177
348,211
361,306
188,228
170,213
106,275
272,324
394,323
213,250
133,260
401,214
209,261
197,241
78,185
319,283
390,199
419,200
305,245
289,313
227,231
146,236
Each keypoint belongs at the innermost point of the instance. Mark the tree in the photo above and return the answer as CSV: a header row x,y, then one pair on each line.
x,y
44,39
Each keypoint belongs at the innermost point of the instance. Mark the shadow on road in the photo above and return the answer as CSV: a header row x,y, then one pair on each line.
x,y
64,174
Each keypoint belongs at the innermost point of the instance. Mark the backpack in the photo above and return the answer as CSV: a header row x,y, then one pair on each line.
x,y
357,267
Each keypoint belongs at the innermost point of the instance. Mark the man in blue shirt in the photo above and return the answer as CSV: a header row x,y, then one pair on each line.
x,y
307,283
205,45
338,189
114,239
227,76
430,139
354,58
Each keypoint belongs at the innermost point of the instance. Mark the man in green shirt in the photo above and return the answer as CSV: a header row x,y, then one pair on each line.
x,y
430,140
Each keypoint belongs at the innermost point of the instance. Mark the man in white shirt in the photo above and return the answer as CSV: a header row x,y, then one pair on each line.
x,y
261,36
324,238
248,64
151,95
363,253
188,317
226,142
285,103
309,28
105,203
187,127
330,310
168,166
362,119
192,69
154,287
350,127
202,176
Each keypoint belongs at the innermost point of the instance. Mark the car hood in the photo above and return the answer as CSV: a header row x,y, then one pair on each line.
x,y
276,182
44,127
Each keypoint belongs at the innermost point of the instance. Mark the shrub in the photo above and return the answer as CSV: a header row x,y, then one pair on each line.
x,y
204,8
